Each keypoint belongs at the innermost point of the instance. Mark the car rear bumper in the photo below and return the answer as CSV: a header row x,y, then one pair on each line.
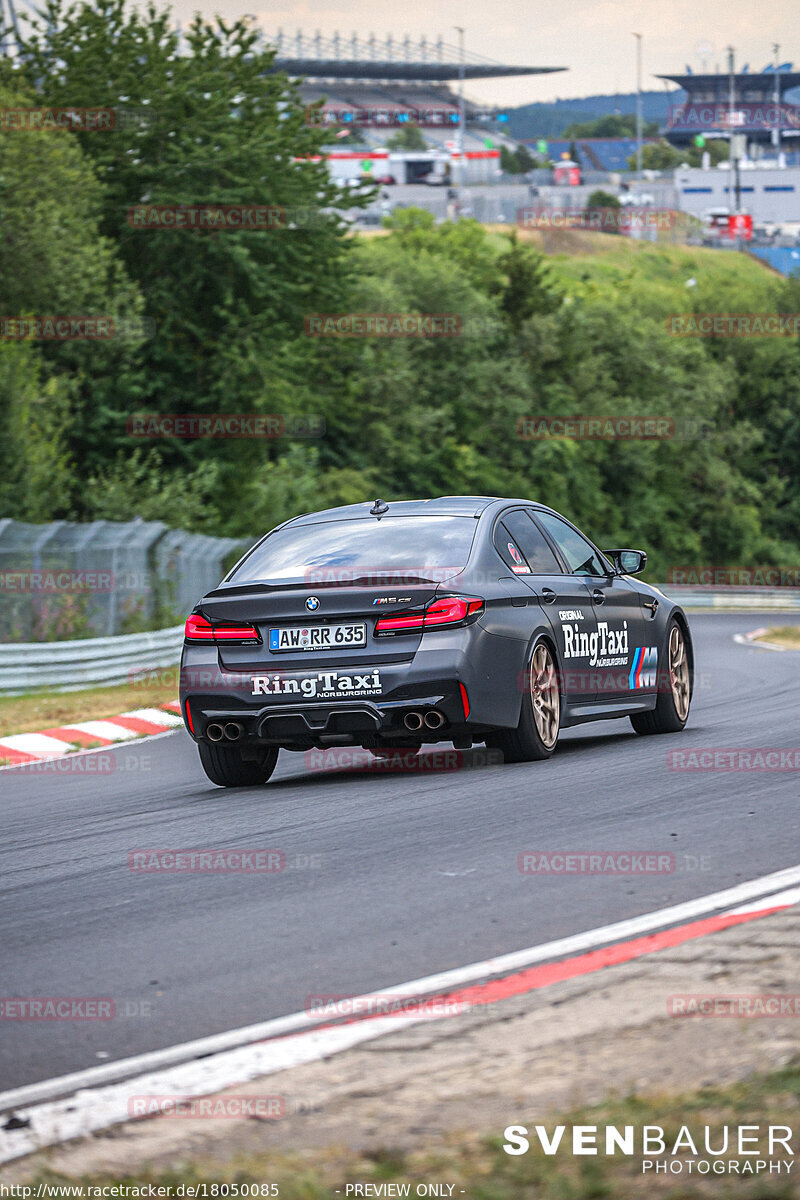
x,y
432,685
330,724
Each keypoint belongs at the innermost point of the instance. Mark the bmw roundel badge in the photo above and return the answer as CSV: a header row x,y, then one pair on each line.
x,y
312,603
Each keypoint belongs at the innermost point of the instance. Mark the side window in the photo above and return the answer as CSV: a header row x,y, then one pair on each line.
x,y
582,559
529,539
507,547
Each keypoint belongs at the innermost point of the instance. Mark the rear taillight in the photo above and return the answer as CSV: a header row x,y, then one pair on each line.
x,y
198,629
449,611
398,624
452,610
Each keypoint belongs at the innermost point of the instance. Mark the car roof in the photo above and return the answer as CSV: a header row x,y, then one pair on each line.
x,y
438,506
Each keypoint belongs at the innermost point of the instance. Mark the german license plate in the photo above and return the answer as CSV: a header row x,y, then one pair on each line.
x,y
317,637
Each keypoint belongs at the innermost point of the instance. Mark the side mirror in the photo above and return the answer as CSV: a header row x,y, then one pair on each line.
x,y
628,562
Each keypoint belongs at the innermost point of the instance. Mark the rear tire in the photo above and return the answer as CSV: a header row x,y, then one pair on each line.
x,y
225,766
672,705
536,735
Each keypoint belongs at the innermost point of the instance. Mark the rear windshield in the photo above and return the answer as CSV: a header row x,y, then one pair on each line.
x,y
395,549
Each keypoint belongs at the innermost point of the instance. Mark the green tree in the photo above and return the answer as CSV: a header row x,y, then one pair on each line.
x,y
210,126
517,161
407,137
528,288
615,125
508,160
602,199
54,262
658,156
525,159
716,148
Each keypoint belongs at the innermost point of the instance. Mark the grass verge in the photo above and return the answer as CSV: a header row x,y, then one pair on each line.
x,y
782,635
479,1169
48,710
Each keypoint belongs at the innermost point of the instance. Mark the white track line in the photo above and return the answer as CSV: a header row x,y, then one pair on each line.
x,y
176,1071
782,899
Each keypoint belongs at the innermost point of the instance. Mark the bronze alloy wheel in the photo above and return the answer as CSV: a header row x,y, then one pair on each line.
x,y
679,673
545,698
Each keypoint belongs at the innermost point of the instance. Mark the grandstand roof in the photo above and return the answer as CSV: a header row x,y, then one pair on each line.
x,y
430,72
391,60
767,79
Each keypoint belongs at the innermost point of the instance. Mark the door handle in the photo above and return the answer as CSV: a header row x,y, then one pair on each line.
x,y
548,596
599,596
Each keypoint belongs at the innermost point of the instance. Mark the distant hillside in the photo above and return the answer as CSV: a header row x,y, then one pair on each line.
x,y
550,120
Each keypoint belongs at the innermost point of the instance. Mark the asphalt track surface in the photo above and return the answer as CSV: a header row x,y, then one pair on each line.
x,y
415,872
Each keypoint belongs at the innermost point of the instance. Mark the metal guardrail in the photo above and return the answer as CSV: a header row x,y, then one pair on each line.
x,y
103,578
779,599
90,662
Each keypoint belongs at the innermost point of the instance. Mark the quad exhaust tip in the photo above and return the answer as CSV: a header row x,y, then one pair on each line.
x,y
431,720
230,732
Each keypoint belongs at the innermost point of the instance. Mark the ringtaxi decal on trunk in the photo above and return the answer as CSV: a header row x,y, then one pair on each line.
x,y
324,685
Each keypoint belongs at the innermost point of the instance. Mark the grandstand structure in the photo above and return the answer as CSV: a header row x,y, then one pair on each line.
x,y
369,88
592,154
759,109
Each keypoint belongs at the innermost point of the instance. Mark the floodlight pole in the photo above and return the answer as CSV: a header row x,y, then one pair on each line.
x,y
776,96
639,123
461,112
731,102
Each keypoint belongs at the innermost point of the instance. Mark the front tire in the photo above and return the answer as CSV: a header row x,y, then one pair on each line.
x,y
672,706
225,766
536,735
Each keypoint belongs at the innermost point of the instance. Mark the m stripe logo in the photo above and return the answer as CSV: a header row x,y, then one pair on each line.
x,y
643,668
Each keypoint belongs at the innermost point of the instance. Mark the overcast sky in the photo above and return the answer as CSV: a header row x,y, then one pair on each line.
x,y
591,37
